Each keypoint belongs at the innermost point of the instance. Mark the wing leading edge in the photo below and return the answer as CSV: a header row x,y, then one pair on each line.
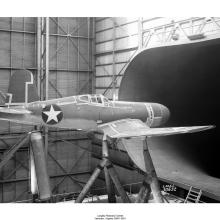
x,y
134,128
18,111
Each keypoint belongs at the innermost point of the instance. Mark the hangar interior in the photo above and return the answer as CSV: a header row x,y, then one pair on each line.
x,y
72,56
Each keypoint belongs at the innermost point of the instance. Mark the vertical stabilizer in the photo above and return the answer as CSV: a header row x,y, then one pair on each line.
x,y
2,98
22,87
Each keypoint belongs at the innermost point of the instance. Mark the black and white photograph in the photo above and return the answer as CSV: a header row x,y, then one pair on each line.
x,y
107,110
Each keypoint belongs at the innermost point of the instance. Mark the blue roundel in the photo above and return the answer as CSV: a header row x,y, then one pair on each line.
x,y
52,114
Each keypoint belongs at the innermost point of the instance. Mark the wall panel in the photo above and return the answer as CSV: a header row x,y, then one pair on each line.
x,y
5,49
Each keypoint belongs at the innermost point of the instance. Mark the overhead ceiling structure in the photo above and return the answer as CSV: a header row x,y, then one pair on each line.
x,y
185,78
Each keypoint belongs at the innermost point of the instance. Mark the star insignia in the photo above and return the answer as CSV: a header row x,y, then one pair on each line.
x,y
52,114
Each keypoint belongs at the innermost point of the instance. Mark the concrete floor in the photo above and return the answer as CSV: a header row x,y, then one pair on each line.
x,y
104,199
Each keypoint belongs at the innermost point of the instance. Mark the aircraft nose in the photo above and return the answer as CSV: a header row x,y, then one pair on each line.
x,y
159,115
165,114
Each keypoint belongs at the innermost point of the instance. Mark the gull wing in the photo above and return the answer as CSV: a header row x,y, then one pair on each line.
x,y
135,128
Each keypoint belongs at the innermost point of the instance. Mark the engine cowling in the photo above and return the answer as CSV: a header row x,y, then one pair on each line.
x,y
157,114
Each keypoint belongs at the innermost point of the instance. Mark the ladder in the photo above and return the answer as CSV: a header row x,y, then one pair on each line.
x,y
193,195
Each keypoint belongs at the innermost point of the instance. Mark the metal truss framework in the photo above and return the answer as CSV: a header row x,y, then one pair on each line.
x,y
173,31
63,172
43,51
41,70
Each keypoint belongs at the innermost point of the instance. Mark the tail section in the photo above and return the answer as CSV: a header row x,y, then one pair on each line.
x,y
22,88
3,98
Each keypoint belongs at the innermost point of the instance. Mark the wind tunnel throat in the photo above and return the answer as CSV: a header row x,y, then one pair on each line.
x,y
157,114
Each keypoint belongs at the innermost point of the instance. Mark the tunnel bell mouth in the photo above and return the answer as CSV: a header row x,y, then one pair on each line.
x,y
184,77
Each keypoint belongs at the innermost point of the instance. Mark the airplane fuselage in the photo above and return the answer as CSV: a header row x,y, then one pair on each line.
x,y
86,111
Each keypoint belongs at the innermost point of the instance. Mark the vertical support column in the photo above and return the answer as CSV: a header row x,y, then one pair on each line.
x,y
113,63
46,57
43,64
11,27
46,76
78,58
88,50
68,47
42,59
140,33
151,174
39,55
93,60
57,44
40,165
23,48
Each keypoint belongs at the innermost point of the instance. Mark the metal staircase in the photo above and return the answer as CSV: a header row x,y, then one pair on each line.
x,y
193,195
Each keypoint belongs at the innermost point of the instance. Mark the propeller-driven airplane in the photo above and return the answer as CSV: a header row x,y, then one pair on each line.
x,y
116,119
88,112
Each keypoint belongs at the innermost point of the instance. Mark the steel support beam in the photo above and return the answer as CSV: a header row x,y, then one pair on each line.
x,y
151,177
38,54
10,152
105,163
92,54
47,57
43,65
91,181
47,65
114,82
109,187
140,33
117,183
51,35
88,53
108,180
65,172
144,193
13,158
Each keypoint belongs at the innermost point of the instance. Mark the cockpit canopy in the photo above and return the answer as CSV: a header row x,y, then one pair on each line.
x,y
95,99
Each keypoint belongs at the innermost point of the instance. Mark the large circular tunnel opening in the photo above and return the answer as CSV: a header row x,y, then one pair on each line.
x,y
185,78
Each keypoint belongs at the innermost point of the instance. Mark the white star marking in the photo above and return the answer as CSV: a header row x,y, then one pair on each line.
x,y
52,115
